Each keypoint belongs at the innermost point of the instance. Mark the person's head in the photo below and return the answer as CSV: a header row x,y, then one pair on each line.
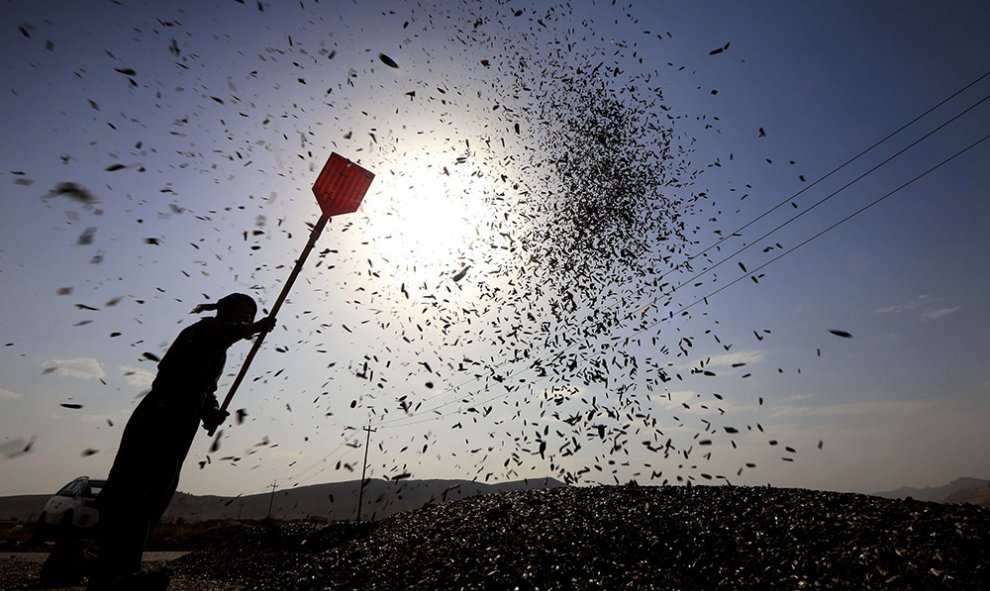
x,y
237,308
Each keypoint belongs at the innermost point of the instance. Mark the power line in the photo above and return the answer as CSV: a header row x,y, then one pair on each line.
x,y
829,173
827,229
301,473
826,198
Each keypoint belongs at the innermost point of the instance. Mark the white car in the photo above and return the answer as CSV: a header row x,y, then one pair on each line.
x,y
74,505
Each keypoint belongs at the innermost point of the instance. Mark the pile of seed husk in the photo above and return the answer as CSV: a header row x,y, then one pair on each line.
x,y
624,537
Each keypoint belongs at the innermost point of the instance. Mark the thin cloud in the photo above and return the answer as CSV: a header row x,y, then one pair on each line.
x,y
4,393
730,359
137,377
83,368
699,405
851,409
674,401
675,397
904,307
939,313
922,301
749,357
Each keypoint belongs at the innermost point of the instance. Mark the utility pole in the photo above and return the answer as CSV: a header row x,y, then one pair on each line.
x,y
271,500
367,442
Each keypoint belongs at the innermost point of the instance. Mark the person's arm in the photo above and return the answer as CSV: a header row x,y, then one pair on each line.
x,y
228,334
222,334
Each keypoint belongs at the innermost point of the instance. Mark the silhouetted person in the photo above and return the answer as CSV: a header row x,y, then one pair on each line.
x,y
157,438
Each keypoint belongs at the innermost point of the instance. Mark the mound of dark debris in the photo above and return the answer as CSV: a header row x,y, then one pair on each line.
x,y
627,537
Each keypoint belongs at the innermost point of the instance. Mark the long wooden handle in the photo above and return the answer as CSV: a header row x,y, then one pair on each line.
x,y
313,237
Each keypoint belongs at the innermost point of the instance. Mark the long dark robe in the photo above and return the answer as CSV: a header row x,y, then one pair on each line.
x,y
155,442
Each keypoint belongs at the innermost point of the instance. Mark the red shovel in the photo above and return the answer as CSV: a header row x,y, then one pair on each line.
x,y
339,189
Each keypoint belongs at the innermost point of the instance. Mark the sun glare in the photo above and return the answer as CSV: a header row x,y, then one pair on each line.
x,y
429,215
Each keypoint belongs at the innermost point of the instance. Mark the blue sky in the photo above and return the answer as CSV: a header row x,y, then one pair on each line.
x,y
231,132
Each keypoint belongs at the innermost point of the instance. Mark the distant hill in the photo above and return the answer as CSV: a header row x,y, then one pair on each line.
x,y
961,490
338,500
332,501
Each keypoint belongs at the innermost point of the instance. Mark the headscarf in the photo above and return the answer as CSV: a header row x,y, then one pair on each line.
x,y
226,301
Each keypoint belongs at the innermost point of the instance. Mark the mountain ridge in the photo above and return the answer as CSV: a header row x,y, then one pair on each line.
x,y
965,489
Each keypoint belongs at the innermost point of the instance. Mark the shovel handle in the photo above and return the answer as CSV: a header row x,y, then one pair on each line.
x,y
313,237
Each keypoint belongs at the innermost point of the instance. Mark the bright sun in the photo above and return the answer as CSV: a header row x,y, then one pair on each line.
x,y
429,214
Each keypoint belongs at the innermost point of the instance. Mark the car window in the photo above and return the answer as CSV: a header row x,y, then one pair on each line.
x,y
70,490
73,488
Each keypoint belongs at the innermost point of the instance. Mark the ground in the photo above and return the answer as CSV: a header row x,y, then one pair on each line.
x,y
616,537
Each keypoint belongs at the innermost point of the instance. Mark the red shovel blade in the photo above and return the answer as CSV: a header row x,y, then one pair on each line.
x,y
341,186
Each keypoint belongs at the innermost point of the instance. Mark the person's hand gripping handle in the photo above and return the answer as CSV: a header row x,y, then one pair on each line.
x,y
261,328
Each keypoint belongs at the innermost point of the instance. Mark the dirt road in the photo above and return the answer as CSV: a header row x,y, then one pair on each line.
x,y
19,571
40,557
